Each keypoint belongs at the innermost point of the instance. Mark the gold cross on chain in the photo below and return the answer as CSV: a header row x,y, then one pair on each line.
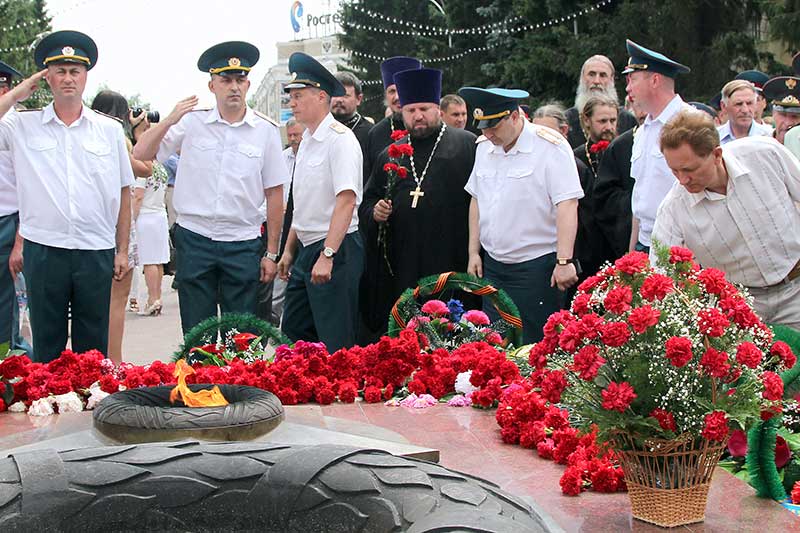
x,y
416,194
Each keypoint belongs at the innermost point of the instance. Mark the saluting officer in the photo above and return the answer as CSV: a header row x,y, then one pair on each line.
x,y
323,251
73,183
231,161
524,212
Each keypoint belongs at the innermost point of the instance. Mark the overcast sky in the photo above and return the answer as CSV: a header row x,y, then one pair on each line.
x,y
151,47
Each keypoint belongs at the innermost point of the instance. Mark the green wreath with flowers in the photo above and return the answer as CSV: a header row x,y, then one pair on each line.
x,y
227,322
761,440
402,310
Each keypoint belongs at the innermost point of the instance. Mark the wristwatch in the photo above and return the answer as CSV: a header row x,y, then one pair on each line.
x,y
272,257
328,252
563,262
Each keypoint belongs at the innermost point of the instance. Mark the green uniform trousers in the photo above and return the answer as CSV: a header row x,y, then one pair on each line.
x,y
59,279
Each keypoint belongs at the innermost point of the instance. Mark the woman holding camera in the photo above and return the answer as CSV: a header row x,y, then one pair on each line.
x,y
150,220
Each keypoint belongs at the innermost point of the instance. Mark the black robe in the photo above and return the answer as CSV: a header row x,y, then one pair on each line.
x,y
591,246
360,128
612,193
429,239
575,136
380,136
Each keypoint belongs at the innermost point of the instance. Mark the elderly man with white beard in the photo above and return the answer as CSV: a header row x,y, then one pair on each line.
x,y
597,77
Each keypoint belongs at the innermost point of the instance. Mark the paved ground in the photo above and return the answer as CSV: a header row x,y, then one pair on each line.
x,y
148,338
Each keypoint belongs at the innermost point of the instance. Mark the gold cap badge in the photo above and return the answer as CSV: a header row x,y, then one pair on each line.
x,y
294,76
477,113
790,83
68,51
234,62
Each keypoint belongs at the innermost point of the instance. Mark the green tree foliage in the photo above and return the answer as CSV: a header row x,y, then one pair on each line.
x,y
784,21
716,38
22,24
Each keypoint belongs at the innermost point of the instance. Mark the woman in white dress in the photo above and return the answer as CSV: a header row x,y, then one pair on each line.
x,y
150,215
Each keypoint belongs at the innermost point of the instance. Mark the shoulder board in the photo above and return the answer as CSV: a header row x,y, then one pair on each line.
x,y
549,136
201,109
370,120
259,114
28,110
105,115
480,139
338,127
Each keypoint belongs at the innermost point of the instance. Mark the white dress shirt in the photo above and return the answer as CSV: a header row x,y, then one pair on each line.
x,y
290,158
328,162
756,129
518,191
752,233
653,177
8,182
68,177
224,169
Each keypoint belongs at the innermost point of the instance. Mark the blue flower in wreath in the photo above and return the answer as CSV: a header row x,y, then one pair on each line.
x,y
456,309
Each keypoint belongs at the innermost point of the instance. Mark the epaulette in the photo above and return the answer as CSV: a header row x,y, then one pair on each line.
x,y
370,120
265,117
106,115
338,127
549,135
481,139
201,109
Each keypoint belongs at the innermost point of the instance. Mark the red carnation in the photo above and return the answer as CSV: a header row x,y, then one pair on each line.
x,y
402,172
665,419
796,492
656,287
109,384
14,366
618,300
545,449
394,151
643,317
679,351
784,353
773,386
580,305
587,362
599,146
347,392
435,308
571,481
713,280
632,263
590,283
782,452
617,396
396,135
553,385
615,334
325,396
606,479
390,167
406,149
712,322
715,363
679,254
2,405
748,354
716,426
372,394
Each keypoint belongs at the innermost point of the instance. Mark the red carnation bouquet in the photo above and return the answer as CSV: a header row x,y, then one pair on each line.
x,y
394,171
663,352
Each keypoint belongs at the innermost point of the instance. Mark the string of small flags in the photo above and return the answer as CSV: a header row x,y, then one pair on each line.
x,y
439,31
486,28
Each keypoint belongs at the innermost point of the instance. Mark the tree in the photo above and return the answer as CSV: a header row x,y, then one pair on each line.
x,y
22,24
704,34
784,22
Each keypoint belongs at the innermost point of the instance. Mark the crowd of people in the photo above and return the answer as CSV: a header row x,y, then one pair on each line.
x,y
322,234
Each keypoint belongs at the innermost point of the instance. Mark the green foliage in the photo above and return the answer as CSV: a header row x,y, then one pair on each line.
x,y
17,44
784,21
760,460
713,37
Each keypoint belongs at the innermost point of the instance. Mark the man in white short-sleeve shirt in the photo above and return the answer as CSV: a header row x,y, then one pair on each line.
x,y
231,162
524,211
323,258
735,209
73,175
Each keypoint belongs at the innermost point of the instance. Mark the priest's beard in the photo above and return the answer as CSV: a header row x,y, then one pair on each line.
x,y
584,93
423,133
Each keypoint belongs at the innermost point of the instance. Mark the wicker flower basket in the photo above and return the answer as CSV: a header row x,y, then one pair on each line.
x,y
668,480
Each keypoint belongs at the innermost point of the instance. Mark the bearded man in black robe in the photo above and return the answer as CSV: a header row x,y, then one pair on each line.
x,y
428,211
380,136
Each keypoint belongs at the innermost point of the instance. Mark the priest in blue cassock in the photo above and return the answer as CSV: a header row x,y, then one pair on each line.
x,y
427,212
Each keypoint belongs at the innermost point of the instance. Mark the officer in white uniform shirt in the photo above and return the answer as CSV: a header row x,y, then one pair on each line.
x,y
324,256
10,242
73,183
524,212
651,84
231,162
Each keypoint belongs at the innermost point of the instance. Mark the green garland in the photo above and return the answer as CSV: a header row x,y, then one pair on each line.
x,y
764,476
455,280
241,322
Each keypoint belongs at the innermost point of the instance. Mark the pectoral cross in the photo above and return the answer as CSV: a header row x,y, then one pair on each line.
x,y
416,193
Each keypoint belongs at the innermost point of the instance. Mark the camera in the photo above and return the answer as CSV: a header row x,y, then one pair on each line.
x,y
152,116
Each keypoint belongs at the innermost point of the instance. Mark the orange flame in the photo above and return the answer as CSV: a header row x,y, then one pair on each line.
x,y
201,398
